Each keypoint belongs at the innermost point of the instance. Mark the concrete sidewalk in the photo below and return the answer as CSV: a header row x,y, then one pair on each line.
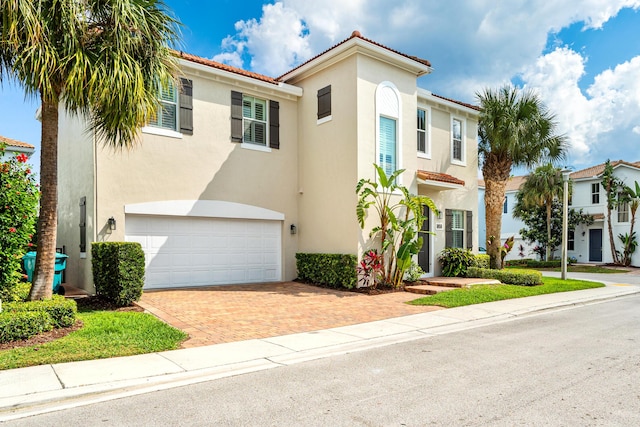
x,y
39,389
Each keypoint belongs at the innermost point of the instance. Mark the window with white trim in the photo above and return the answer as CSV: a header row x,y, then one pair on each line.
x,y
167,114
571,239
457,142
254,120
457,229
623,208
595,193
505,206
424,144
388,122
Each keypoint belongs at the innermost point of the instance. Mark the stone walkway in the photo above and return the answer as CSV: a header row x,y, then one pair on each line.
x,y
221,314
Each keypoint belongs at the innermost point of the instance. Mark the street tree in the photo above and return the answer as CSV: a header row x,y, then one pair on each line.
x,y
103,60
515,129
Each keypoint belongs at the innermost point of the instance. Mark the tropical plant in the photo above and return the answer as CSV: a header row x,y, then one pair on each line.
x,y
413,273
541,188
612,186
506,248
535,220
633,198
456,261
400,215
515,129
104,60
370,269
630,243
18,206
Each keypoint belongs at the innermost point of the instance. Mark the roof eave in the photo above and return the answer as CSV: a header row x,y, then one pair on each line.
x,y
439,185
425,94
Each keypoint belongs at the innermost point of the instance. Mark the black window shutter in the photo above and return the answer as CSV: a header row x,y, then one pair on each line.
x,y
448,225
236,116
324,102
83,224
186,106
274,124
469,230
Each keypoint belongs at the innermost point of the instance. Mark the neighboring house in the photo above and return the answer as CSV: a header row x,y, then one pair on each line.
x,y
591,244
241,171
510,225
587,244
13,147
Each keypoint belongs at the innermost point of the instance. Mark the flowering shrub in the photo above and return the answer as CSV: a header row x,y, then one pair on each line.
x,y
18,209
370,270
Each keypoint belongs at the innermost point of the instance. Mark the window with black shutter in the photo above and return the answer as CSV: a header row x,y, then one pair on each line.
x,y
324,102
186,106
250,120
83,224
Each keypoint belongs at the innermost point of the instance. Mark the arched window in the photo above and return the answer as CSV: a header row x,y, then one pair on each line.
x,y
388,125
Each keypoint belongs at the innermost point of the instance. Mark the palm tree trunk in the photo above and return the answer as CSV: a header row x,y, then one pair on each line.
x,y
548,252
48,220
493,202
612,242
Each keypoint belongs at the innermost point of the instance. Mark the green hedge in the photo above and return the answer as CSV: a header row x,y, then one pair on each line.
x,y
22,320
332,270
456,261
511,277
61,310
118,271
532,263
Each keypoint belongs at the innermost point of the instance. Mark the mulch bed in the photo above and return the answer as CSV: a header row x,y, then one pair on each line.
x,y
92,303
364,290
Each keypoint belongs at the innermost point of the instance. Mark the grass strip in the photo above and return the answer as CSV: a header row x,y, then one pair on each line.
x,y
488,293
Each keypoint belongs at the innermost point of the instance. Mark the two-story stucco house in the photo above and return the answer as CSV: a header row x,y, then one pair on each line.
x,y
591,243
587,244
241,171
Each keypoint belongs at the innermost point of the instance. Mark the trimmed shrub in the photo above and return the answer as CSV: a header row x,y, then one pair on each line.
x,y
510,277
455,261
413,273
532,263
61,311
482,261
118,271
332,270
22,325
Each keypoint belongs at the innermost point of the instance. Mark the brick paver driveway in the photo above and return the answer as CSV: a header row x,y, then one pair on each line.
x,y
220,314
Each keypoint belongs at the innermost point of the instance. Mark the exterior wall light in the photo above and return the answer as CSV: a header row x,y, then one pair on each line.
x,y
293,229
112,223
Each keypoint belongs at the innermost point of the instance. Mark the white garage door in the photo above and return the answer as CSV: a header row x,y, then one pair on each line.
x,y
185,252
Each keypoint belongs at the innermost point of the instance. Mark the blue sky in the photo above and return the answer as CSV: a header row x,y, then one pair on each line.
x,y
581,56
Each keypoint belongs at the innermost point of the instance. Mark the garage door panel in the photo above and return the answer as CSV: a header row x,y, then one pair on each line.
x,y
181,251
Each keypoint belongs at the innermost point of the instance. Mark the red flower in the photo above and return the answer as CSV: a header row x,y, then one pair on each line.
x,y
12,230
29,244
28,170
22,158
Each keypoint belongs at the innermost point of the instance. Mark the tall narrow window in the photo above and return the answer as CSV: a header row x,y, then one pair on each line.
x,y
254,113
324,102
388,145
623,208
571,238
505,206
457,229
423,143
457,148
595,193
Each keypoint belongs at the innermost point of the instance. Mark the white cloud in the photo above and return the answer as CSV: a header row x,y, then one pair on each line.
x,y
600,123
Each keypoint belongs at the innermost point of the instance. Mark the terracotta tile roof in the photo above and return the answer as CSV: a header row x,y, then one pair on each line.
x,y
15,143
597,170
513,184
440,177
464,104
356,34
598,217
224,67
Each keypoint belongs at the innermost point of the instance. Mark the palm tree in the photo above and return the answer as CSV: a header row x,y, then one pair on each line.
x,y
103,60
541,188
515,129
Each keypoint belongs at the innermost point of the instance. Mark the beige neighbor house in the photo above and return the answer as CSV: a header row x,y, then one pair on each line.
x,y
241,171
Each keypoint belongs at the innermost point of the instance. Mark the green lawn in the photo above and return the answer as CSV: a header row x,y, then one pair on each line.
x,y
104,334
487,293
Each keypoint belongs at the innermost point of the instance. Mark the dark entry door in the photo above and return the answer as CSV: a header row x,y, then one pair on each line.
x,y
595,245
424,256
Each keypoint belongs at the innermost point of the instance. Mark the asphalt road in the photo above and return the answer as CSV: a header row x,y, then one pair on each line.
x,y
578,366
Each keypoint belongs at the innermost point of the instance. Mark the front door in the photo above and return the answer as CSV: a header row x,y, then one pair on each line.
x,y
595,245
424,256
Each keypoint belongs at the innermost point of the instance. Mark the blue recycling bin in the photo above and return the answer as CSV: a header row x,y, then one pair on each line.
x,y
29,261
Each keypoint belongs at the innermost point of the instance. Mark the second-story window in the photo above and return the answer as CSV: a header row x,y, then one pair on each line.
x,y
423,136
167,114
505,207
623,208
457,146
254,114
595,194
